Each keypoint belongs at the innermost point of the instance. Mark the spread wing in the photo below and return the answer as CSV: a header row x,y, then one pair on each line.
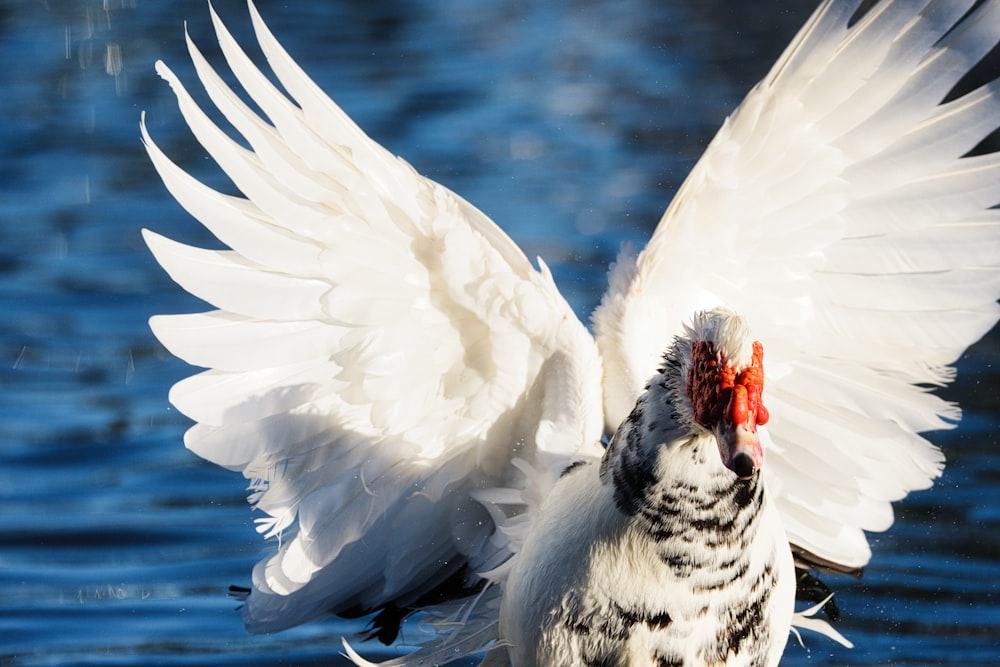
x,y
379,351
839,211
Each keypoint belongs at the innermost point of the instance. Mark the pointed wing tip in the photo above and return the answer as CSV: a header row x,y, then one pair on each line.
x,y
353,656
217,23
158,244
148,234
257,20
158,324
252,6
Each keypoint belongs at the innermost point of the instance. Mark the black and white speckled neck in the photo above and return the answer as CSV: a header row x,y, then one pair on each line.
x,y
700,519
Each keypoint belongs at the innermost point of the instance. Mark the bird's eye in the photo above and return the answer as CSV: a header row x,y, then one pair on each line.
x,y
704,366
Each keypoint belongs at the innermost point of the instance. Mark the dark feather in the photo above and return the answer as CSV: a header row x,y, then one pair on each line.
x,y
808,588
385,625
807,560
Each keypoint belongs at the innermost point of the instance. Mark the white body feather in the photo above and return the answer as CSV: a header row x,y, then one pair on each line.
x,y
403,388
585,559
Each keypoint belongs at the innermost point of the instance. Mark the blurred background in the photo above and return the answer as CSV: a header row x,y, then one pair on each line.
x,y
571,124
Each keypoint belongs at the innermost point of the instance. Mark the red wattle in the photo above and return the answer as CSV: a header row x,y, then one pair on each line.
x,y
762,415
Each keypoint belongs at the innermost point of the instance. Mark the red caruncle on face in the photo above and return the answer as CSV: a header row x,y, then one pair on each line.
x,y
717,392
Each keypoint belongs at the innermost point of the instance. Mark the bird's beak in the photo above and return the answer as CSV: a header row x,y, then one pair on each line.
x,y
736,433
739,446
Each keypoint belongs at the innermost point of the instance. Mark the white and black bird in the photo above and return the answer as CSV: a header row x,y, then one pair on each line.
x,y
420,413
667,551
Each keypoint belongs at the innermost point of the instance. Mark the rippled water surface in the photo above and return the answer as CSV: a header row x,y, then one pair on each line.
x,y
571,126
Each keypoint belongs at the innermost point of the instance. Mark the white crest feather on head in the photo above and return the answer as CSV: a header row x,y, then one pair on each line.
x,y
727,330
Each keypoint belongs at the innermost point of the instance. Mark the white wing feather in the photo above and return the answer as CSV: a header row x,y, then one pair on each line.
x,y
835,210
379,352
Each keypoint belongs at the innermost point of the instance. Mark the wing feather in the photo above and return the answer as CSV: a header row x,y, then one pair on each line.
x,y
235,221
237,285
218,398
229,342
380,349
839,210
287,167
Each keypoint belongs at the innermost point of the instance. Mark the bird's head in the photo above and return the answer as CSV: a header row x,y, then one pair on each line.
x,y
716,372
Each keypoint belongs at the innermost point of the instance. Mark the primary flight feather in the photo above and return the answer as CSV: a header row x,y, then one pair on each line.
x,y
420,413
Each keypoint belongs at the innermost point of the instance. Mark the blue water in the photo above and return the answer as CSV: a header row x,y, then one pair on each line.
x,y
571,127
